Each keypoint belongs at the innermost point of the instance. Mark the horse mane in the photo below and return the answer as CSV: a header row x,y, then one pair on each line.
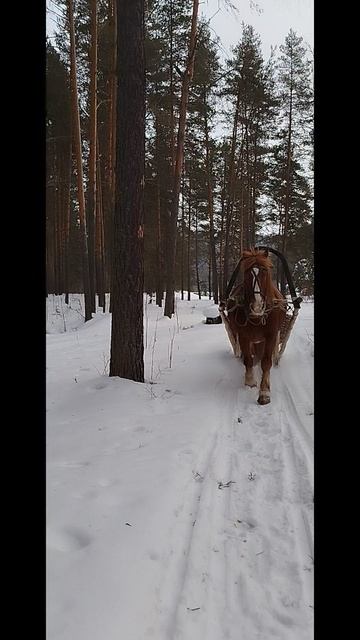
x,y
258,257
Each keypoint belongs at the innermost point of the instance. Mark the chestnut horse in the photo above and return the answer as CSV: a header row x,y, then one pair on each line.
x,y
255,312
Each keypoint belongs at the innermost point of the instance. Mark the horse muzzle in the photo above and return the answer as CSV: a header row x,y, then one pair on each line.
x,y
257,310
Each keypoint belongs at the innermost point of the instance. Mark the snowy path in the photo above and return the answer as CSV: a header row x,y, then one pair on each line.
x,y
180,510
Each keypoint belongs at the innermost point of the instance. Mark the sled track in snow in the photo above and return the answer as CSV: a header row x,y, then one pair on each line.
x,y
195,584
299,473
228,573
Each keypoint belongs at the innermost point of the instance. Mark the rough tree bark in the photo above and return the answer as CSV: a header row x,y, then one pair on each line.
x,y
92,186
127,348
99,235
182,236
109,195
189,243
196,253
214,277
159,235
222,224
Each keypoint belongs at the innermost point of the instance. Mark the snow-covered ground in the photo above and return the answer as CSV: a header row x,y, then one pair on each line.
x,y
177,509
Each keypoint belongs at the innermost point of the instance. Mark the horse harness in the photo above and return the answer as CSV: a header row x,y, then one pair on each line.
x,y
239,300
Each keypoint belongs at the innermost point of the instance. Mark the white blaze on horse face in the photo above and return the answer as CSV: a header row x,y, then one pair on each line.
x,y
258,306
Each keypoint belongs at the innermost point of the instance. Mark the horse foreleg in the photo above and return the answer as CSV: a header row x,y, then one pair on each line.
x,y
248,362
266,362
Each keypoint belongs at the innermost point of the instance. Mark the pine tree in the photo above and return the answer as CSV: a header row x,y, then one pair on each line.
x,y
201,116
249,90
179,158
288,190
295,96
168,26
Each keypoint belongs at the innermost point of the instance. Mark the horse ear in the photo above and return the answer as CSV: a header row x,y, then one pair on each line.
x,y
266,253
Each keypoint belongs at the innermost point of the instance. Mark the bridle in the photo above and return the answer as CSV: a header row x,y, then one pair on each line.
x,y
255,271
250,317
271,303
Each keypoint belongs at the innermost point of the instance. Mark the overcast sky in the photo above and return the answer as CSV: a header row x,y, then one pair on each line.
x,y
272,23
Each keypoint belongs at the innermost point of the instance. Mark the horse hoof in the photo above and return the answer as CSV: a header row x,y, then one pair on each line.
x,y
263,399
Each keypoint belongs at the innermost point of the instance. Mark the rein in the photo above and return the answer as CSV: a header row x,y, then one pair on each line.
x,y
276,303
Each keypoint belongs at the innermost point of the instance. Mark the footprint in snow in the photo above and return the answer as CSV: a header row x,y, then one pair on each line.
x,y
100,385
105,482
68,539
73,464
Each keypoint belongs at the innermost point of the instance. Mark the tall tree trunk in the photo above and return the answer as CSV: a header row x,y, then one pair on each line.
x,y
171,245
253,199
111,148
230,201
159,275
92,187
222,223
189,243
127,342
159,240
172,97
210,207
209,270
50,216
278,266
57,233
182,235
115,125
240,169
60,218
78,154
242,214
63,170
248,187
99,235
68,210
196,253
288,181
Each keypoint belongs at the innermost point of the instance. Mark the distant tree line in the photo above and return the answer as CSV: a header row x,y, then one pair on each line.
x,y
228,152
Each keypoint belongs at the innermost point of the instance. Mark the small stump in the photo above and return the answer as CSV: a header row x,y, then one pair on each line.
x,y
212,315
216,320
